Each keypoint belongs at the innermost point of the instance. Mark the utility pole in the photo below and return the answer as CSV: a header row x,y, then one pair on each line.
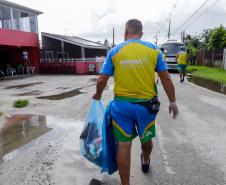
x,y
156,39
113,37
182,36
169,31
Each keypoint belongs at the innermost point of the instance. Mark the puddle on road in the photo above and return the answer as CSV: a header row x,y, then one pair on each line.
x,y
19,130
62,88
109,88
22,85
93,79
95,182
209,84
30,93
65,95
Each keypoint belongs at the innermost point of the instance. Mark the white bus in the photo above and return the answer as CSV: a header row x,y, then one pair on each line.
x,y
171,47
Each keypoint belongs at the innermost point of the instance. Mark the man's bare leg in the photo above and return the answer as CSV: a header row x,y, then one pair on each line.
x,y
184,74
181,76
124,149
146,151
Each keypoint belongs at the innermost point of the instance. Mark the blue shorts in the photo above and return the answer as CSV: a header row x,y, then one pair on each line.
x,y
130,120
181,68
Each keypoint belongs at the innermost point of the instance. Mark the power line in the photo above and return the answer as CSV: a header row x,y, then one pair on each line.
x,y
203,13
190,17
174,7
162,27
211,6
169,15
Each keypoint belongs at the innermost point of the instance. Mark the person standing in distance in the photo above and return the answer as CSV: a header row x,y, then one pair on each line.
x,y
182,63
25,56
163,54
133,64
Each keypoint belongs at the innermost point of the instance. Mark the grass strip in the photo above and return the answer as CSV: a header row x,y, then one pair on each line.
x,y
215,74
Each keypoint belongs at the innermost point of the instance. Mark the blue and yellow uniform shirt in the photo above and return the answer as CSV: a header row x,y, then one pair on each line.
x,y
182,58
133,64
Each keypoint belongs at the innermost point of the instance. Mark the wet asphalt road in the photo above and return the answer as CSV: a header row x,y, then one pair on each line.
x,y
187,151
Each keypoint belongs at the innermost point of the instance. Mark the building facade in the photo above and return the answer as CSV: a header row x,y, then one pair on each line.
x,y
55,46
69,54
18,33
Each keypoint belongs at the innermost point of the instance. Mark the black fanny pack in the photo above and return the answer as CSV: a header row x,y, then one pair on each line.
x,y
153,105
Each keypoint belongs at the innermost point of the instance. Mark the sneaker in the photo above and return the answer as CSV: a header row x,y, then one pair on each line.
x,y
144,167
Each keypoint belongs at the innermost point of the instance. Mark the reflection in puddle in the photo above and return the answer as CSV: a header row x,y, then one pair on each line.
x,y
65,95
23,85
209,84
19,130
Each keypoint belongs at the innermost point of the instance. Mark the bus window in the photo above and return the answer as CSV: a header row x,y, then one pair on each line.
x,y
172,49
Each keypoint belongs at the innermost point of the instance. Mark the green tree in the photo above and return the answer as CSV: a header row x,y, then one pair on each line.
x,y
191,52
218,38
192,40
193,44
205,37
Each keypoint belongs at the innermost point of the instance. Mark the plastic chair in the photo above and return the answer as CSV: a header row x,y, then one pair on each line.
x,y
31,70
10,71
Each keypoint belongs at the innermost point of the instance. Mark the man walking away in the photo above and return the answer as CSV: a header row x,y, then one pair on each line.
x,y
133,64
182,61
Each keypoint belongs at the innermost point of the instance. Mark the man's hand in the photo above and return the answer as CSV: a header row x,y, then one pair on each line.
x,y
169,88
96,96
173,108
101,84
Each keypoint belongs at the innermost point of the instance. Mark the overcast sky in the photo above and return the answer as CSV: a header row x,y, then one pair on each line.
x,y
94,19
